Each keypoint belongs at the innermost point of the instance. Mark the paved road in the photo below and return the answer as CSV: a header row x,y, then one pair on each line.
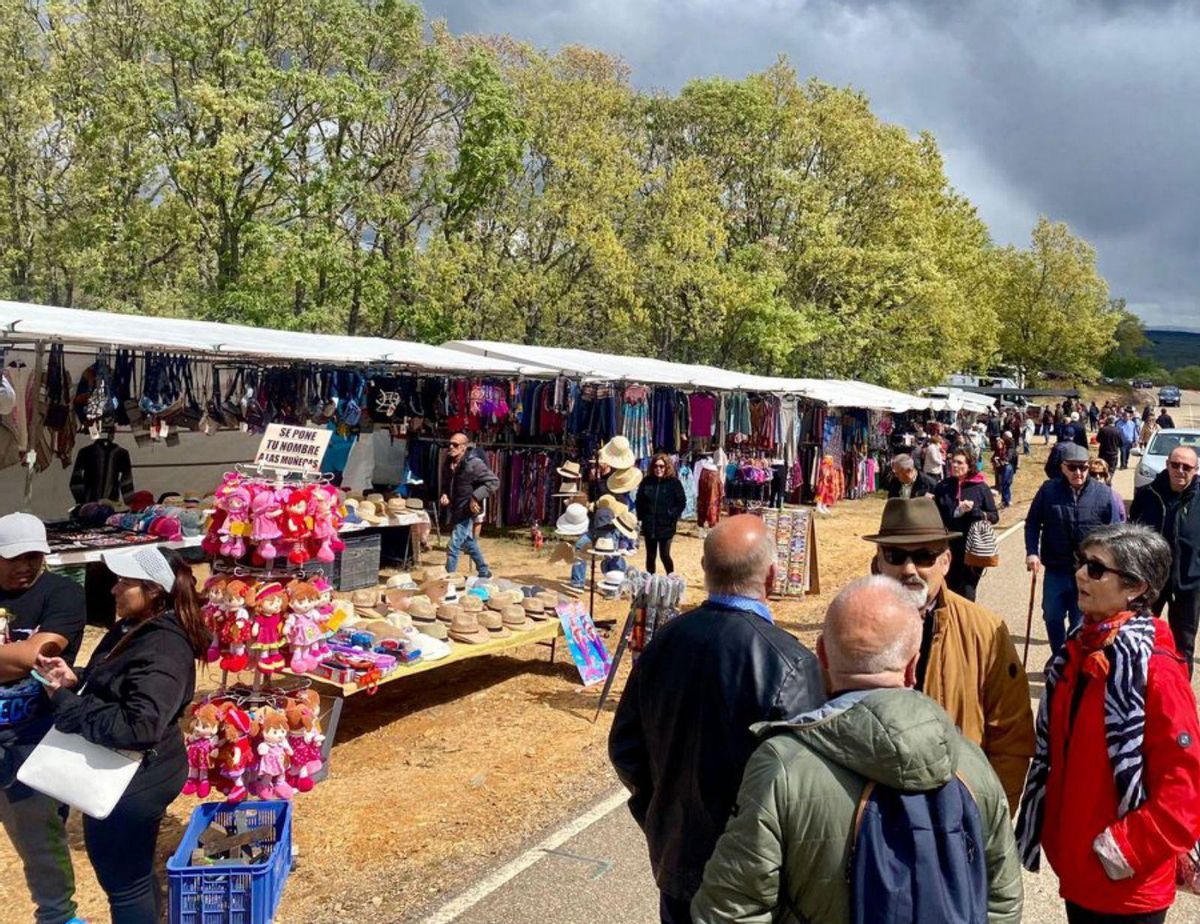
x,y
598,869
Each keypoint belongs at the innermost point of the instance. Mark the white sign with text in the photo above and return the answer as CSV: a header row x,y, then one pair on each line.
x,y
297,449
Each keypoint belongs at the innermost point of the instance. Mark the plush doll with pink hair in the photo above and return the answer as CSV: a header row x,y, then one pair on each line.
x,y
265,511
236,525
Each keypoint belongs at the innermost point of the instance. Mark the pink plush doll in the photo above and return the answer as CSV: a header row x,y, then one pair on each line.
x,y
302,630
269,607
202,727
235,624
324,612
322,509
304,735
297,524
265,510
274,756
237,522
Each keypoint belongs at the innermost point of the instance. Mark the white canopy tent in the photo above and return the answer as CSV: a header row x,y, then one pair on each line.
x,y
600,366
22,323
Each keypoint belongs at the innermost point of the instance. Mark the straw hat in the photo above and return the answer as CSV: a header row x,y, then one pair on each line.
x,y
574,521
422,611
569,471
465,627
403,581
366,603
610,502
448,612
435,630
535,609
605,544
494,623
400,620
624,481
567,489
436,573
377,498
472,604
617,454
549,599
395,507
414,503
368,512
515,619
626,524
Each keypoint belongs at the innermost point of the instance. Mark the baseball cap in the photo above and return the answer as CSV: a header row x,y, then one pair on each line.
x,y
146,564
20,534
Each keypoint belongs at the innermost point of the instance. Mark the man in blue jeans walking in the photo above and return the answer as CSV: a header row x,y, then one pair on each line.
x,y
466,483
1063,512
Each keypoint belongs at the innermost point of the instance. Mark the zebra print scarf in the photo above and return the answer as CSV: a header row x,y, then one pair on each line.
x,y
1124,730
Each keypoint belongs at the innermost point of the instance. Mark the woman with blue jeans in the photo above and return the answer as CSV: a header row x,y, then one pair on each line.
x,y
1003,470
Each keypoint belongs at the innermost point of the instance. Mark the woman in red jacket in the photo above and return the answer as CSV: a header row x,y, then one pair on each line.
x,y
1113,794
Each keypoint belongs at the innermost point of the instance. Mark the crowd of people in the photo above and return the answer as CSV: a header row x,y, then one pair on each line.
x,y
898,772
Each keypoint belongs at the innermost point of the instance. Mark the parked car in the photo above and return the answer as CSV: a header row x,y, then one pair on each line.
x,y
1154,460
1169,396
1141,383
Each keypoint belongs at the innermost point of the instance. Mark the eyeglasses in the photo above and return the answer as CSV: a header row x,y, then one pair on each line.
x,y
1075,466
922,558
458,444
659,465
1097,569
1181,466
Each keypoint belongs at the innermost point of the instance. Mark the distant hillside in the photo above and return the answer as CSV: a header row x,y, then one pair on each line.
x,y
1174,348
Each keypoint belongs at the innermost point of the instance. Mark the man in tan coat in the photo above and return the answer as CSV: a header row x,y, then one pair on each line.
x,y
968,663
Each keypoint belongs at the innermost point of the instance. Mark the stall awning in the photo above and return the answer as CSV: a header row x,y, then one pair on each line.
x,y
21,322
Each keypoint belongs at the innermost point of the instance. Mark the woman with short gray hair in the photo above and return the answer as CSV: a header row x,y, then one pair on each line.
x,y
1118,694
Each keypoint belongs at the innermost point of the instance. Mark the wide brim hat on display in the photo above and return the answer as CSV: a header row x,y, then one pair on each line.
x,y
422,611
535,608
617,454
569,471
376,499
494,624
609,502
435,630
465,627
369,513
401,581
471,604
400,620
624,481
436,573
627,525
366,603
448,612
613,581
414,503
574,521
549,600
567,489
911,522
395,507
606,545
515,619
603,521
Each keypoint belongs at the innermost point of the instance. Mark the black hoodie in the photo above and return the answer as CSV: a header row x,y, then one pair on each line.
x,y
133,694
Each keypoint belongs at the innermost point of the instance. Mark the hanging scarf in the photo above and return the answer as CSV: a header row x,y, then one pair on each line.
x,y
1124,650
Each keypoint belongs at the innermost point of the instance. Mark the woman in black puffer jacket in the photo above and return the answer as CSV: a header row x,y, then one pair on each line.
x,y
660,503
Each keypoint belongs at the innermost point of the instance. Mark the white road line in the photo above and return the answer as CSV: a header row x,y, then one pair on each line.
x,y
1008,532
509,871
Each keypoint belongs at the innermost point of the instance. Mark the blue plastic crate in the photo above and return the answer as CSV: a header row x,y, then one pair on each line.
x,y
229,893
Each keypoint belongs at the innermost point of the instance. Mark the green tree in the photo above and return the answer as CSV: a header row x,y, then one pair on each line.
x,y
1056,315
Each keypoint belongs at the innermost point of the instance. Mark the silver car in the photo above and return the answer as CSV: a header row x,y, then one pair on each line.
x,y
1154,460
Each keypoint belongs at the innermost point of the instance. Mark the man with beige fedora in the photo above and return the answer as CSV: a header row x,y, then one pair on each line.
x,y
968,663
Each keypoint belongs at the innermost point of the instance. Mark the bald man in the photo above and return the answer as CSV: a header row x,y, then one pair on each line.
x,y
682,735
1167,505
785,855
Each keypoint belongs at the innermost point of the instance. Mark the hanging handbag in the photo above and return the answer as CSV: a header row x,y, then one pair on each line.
x,y
191,415
215,407
982,549
58,389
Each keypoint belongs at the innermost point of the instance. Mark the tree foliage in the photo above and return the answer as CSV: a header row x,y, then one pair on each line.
x,y
342,165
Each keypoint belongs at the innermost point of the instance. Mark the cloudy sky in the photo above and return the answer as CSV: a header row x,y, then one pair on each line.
x,y
1087,111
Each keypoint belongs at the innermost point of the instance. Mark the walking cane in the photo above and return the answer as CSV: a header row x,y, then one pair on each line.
x,y
1029,619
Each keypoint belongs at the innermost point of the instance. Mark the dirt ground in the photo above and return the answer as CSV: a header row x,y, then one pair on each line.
x,y
437,777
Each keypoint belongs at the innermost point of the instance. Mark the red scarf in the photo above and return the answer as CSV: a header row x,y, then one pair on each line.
x,y
1095,637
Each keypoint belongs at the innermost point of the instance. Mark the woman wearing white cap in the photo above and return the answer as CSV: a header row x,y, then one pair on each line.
x,y
138,682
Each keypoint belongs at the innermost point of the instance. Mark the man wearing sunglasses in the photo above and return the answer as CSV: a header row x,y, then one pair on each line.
x,y
1064,510
968,663
1167,505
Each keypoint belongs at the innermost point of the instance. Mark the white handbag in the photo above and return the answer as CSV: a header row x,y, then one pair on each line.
x,y
86,776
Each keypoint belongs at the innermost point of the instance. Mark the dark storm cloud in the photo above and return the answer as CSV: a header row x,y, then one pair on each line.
x,y
1084,111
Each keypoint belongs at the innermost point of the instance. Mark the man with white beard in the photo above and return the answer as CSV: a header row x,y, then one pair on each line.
x,y
968,663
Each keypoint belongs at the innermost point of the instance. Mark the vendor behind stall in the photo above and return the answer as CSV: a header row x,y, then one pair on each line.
x,y
45,614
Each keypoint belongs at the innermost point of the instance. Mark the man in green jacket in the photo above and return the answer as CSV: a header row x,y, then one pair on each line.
x,y
785,851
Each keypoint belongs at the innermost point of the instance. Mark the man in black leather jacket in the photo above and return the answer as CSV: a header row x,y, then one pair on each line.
x,y
681,736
